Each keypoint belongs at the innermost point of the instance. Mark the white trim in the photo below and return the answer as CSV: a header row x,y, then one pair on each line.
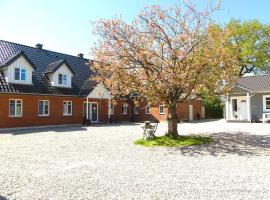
x,y
227,107
163,112
248,108
44,115
242,88
15,107
264,103
67,114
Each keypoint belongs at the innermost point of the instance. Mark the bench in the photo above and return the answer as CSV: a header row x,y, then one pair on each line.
x,y
266,117
149,130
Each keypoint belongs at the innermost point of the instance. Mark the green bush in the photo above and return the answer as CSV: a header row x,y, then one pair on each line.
x,y
213,107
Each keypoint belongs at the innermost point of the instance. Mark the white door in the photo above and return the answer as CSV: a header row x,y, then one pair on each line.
x,y
239,108
190,112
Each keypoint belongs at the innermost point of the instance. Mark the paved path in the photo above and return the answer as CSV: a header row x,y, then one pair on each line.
x,y
101,162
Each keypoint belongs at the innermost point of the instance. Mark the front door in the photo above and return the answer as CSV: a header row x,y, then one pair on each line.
x,y
239,108
92,111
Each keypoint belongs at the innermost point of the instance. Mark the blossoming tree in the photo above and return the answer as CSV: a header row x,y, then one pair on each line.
x,y
167,55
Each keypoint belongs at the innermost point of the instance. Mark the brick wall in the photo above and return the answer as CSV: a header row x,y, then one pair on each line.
x,y
182,112
30,111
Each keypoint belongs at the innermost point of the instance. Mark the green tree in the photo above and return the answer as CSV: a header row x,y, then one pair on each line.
x,y
213,107
252,41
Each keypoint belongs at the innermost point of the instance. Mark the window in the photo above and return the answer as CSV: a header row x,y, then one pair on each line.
x,y
161,109
62,79
112,109
136,110
67,108
20,74
266,103
124,109
17,74
147,110
15,108
23,74
43,108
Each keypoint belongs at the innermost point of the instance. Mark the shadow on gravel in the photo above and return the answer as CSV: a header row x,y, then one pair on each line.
x,y
68,128
2,198
241,144
44,129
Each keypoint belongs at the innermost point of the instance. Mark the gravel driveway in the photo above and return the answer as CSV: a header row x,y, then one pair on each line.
x,y
101,162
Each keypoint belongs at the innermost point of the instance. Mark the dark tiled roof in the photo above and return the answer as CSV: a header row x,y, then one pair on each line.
x,y
53,67
41,59
255,83
9,61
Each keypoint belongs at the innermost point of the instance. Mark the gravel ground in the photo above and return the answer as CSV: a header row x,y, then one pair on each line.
x,y
101,162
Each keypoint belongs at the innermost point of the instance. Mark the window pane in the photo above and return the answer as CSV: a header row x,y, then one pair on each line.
x,y
59,78
267,104
12,107
23,74
147,110
46,108
69,108
17,73
19,108
64,79
161,109
40,108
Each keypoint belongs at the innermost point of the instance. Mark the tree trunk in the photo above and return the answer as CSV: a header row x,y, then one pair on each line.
x,y
172,121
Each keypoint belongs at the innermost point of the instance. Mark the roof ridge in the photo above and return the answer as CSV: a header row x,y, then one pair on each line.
x,y
255,76
43,49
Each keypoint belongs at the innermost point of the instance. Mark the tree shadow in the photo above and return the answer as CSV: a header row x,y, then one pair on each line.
x,y
239,143
3,198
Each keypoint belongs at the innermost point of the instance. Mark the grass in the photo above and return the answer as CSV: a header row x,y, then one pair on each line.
x,y
174,142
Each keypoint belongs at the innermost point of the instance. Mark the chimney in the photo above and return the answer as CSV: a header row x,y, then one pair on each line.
x,y
39,46
80,55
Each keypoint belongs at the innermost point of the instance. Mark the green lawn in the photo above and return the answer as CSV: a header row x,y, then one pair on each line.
x,y
170,142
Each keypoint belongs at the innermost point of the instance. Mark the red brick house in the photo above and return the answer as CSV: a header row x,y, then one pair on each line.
x,y
40,87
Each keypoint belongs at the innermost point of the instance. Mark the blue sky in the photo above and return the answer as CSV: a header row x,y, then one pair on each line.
x,y
64,25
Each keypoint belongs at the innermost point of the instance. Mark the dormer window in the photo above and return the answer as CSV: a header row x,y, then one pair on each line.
x,y
20,74
18,69
60,74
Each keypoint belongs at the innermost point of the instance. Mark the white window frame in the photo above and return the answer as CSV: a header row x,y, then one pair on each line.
x,y
20,74
125,110
264,103
65,108
136,110
64,81
147,110
16,103
43,107
159,109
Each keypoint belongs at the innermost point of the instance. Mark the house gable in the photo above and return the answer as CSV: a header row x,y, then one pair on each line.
x,y
100,92
62,70
18,63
